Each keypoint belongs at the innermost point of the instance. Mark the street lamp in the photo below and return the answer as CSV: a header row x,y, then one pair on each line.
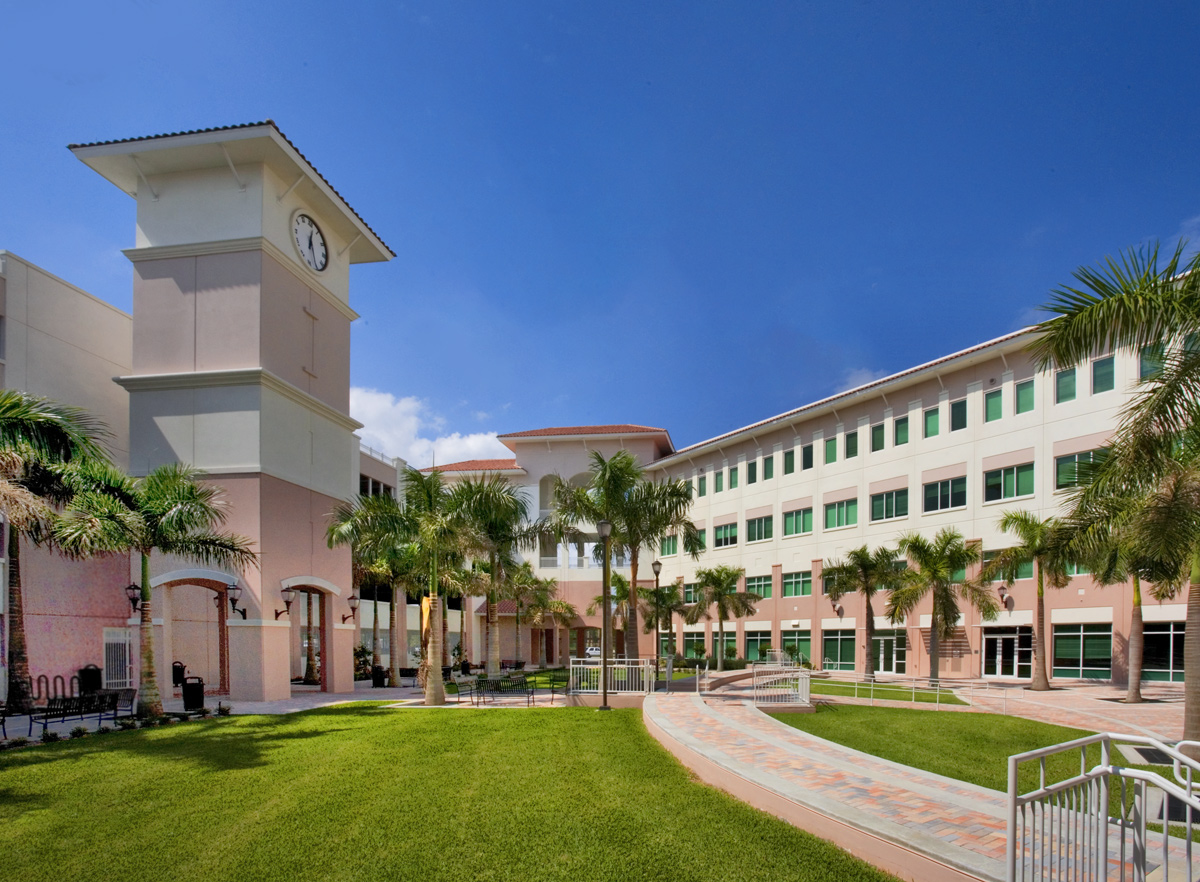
x,y
657,567
604,528
134,593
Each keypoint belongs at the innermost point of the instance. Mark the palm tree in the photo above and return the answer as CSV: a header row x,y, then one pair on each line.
x,y
618,599
659,606
938,564
718,588
500,514
543,603
170,511
642,512
34,432
1130,302
1041,542
864,572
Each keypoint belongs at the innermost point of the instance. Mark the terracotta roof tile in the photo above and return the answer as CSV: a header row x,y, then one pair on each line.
x,y
249,125
476,465
620,429
503,608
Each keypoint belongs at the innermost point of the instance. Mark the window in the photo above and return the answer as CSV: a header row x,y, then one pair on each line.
x,y
760,585
702,539
993,406
1162,655
733,477
941,495
691,487
725,535
768,467
877,434
757,644
758,529
797,522
691,591
851,445
789,462
1150,361
751,473
900,432
1067,471
701,486
830,450
692,642
806,457
1074,569
797,584
1103,375
841,514
1064,386
893,504
1083,651
837,650
931,422
1024,396
730,650
797,644
958,415
668,545
959,575
718,482
1008,483
1024,569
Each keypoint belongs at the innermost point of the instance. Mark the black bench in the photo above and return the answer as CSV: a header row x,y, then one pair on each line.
x,y
560,682
409,674
64,708
503,686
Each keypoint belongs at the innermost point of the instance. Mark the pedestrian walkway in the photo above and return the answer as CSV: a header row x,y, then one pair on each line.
x,y
915,824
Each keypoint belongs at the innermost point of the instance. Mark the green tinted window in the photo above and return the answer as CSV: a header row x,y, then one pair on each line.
x,y
931,422
797,584
893,504
751,473
993,406
806,457
789,461
768,467
851,445
758,528
877,438
1024,396
733,477
718,482
841,514
760,585
1064,386
1150,361
830,450
1103,375
1009,482
701,485
958,415
901,431
797,522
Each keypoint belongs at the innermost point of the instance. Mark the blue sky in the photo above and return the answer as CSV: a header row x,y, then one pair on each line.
x,y
692,215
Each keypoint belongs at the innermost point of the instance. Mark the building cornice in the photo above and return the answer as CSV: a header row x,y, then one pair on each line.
x,y
237,377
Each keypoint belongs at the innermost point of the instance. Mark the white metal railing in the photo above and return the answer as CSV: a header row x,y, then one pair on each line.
x,y
624,676
886,687
781,683
1067,829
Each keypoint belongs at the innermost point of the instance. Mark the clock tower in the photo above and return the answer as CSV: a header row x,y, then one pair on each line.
x,y
241,367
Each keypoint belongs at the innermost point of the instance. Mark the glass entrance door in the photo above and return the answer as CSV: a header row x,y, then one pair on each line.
x,y
890,650
1008,652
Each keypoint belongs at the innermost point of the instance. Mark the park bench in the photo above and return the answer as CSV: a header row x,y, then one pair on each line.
x,y
409,674
560,682
503,686
70,707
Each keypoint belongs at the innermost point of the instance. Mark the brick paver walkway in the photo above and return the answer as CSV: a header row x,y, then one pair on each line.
x,y
959,825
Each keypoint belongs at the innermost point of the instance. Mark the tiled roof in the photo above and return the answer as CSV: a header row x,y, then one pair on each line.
x,y
503,608
475,465
624,429
249,125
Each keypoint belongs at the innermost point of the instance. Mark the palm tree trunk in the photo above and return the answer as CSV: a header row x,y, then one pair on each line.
x,y
393,643
19,698
402,626
679,637
517,633
631,617
435,693
375,626
1136,644
541,646
869,661
465,629
493,620
720,643
311,676
1191,662
149,700
445,656
934,661
1040,681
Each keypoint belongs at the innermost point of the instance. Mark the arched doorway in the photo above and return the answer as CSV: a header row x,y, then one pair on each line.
x,y
316,633
194,612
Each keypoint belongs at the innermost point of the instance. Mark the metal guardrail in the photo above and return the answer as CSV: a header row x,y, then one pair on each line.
x,y
779,683
931,691
1066,829
631,676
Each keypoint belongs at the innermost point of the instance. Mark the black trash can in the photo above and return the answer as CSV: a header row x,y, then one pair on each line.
x,y
178,673
378,677
193,694
91,679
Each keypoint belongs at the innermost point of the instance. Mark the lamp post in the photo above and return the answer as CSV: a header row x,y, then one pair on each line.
x,y
604,528
657,567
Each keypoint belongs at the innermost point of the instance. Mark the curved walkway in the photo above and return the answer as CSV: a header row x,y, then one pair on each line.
x,y
913,823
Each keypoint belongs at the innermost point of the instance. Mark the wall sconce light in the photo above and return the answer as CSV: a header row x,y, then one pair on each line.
x,y
134,593
289,595
234,593
217,601
352,600
1003,597
838,609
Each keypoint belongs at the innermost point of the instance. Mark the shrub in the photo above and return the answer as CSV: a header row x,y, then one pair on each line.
x,y
127,725
79,731
224,710
16,742
104,730
49,736
149,722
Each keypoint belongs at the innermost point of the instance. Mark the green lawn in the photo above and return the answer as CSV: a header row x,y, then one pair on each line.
x,y
358,792
862,689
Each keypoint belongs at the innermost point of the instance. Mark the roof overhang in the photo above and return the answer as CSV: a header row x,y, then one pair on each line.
x,y
123,162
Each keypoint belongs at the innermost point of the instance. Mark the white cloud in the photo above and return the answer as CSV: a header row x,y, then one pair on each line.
x,y
405,427
852,378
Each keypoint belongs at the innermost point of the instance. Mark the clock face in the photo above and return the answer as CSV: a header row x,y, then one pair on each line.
x,y
310,241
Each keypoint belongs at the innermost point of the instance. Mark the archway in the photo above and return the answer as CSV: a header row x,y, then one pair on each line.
x,y
316,633
195,627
